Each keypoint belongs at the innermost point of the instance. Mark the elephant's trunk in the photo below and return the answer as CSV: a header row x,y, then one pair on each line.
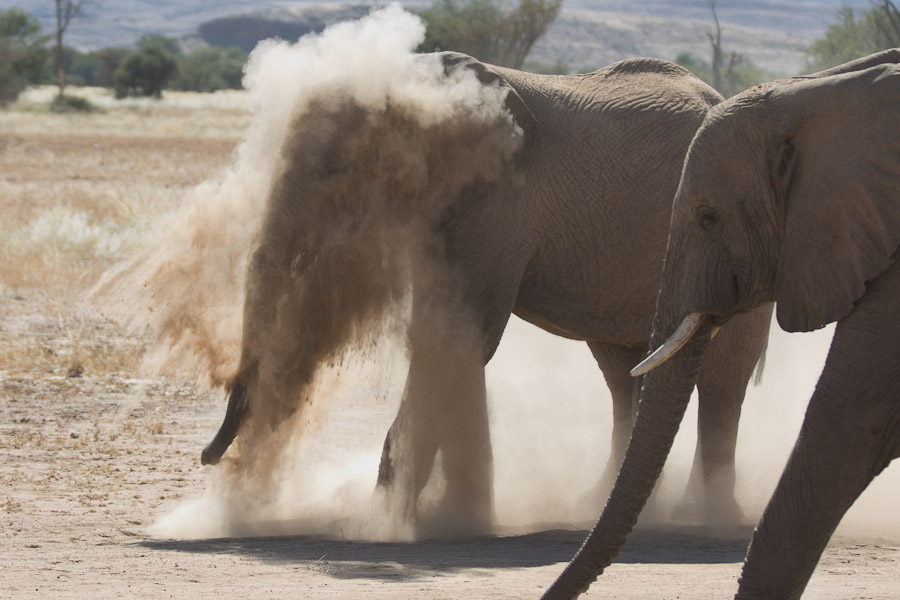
x,y
664,398
234,416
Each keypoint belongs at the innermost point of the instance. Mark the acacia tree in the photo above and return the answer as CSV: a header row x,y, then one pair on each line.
x,y
66,10
500,32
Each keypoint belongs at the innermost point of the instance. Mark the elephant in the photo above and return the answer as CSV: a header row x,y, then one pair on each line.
x,y
790,193
571,241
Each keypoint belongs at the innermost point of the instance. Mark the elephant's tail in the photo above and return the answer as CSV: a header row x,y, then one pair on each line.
x,y
761,364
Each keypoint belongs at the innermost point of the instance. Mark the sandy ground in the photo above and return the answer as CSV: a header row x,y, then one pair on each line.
x,y
93,457
88,464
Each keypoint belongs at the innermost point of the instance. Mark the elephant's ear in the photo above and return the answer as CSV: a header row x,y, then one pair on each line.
x,y
486,74
837,173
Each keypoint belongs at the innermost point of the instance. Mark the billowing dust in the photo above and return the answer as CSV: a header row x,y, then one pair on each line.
x,y
355,151
292,266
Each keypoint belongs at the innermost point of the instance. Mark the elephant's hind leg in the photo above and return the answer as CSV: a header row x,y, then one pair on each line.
x,y
616,363
721,386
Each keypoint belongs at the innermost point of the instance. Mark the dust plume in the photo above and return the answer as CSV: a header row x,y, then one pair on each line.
x,y
551,421
298,259
771,420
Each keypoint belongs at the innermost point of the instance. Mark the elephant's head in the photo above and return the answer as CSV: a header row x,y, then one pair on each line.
x,y
365,184
789,193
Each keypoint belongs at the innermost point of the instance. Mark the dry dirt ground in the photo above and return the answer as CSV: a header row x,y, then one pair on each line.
x,y
91,454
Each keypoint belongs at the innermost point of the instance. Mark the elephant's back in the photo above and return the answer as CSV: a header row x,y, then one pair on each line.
x,y
615,140
632,78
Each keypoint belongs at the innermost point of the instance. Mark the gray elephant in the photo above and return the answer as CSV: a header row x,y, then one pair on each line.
x,y
790,192
571,240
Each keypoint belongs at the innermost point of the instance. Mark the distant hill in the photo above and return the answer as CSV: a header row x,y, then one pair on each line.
x,y
584,39
247,30
588,33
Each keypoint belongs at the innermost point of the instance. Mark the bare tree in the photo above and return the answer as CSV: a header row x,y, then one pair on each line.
x,y
716,42
727,67
527,24
66,10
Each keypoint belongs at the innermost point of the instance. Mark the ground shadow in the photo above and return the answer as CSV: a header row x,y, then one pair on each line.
x,y
398,561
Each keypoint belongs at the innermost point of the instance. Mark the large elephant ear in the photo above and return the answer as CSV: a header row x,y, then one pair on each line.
x,y
837,172
487,75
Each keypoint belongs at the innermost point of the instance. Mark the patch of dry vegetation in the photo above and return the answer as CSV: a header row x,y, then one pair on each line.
x,y
78,433
75,190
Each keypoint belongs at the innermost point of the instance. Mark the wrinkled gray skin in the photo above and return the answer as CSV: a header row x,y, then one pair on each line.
x,y
791,192
577,253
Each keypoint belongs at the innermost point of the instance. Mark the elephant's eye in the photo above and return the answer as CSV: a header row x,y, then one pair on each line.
x,y
707,216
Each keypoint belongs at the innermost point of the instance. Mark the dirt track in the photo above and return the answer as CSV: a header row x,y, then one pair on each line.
x,y
88,464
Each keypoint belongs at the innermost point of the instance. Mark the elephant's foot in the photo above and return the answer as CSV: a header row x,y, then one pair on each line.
x,y
452,516
719,510
458,517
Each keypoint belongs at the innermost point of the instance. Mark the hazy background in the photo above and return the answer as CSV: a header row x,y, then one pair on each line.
x,y
587,34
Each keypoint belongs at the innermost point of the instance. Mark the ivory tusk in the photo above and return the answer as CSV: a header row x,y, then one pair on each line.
x,y
715,331
682,336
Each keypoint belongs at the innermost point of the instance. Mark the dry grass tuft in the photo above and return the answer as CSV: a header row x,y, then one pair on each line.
x,y
75,190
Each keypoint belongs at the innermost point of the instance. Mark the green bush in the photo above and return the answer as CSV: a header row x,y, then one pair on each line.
x,y
738,73
210,69
149,69
23,54
107,61
10,81
71,104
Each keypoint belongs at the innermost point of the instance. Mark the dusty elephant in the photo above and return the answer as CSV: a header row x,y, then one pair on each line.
x,y
571,240
790,192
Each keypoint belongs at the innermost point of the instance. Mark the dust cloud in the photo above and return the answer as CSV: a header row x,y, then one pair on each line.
x,y
290,273
551,422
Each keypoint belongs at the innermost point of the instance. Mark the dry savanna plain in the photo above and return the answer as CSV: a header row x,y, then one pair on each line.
x,y
101,490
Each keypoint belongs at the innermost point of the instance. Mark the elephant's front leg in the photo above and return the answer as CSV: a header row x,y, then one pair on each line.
x,y
835,458
466,455
850,433
444,408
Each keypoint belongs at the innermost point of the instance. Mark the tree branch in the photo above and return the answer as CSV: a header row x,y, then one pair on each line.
x,y
893,17
716,48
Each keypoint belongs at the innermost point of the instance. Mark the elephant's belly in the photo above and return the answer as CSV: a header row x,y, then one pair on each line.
x,y
581,323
